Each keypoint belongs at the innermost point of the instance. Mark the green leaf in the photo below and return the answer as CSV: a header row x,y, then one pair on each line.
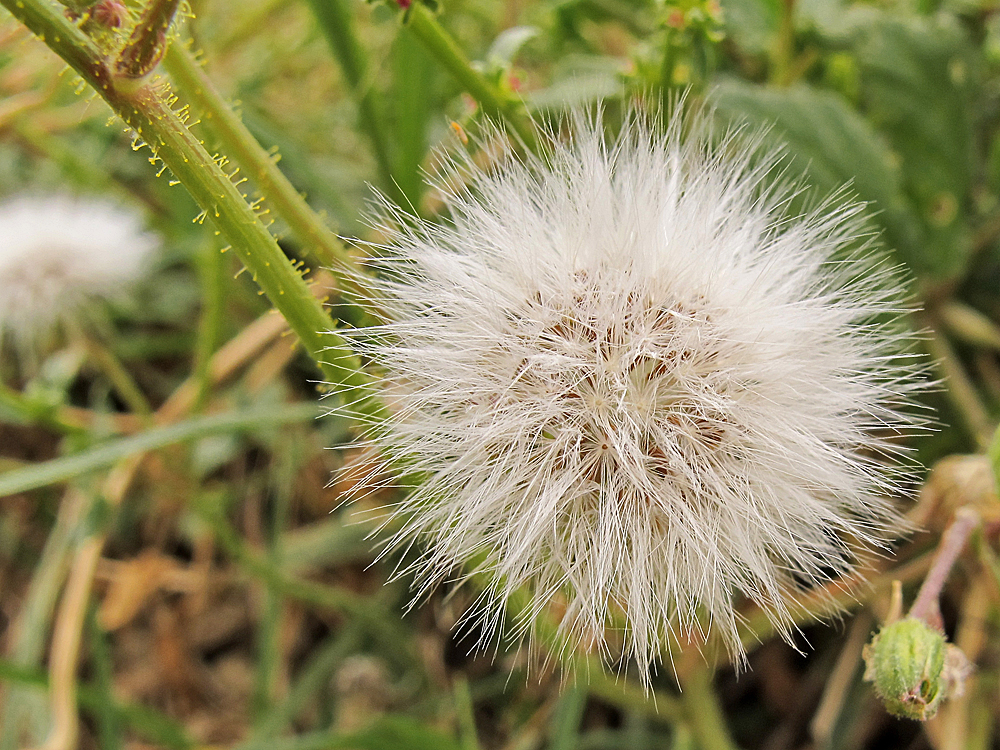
x,y
918,86
833,145
752,24
506,46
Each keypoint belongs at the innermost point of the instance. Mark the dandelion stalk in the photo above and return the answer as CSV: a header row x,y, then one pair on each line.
x,y
925,606
158,125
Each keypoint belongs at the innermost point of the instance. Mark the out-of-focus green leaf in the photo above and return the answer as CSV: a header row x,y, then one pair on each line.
x,y
918,87
506,46
752,24
834,146
835,21
579,80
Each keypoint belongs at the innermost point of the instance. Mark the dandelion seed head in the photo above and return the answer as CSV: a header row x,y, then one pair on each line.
x,y
58,252
639,387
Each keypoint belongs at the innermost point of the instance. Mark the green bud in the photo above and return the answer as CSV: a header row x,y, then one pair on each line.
x,y
906,661
146,45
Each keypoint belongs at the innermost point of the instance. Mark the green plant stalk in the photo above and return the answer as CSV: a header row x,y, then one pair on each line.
x,y
465,713
624,693
211,273
565,726
30,631
994,454
367,610
190,80
109,724
446,51
617,690
703,712
338,26
783,51
311,681
287,467
102,456
961,390
158,125
119,377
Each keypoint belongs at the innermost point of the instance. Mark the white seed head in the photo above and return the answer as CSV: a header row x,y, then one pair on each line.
x,y
57,252
638,388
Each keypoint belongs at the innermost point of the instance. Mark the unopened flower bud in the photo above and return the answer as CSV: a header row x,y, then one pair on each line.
x,y
146,45
914,668
109,14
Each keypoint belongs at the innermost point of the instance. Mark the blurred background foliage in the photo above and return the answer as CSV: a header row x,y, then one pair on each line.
x,y
231,608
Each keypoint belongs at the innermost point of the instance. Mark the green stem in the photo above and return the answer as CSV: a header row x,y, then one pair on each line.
x,y
994,454
784,46
619,691
147,723
446,51
191,81
370,612
120,378
335,19
322,663
565,727
211,272
465,713
154,120
667,64
704,714
961,390
101,456
29,633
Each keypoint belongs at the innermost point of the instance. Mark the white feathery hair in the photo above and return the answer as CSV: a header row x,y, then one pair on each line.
x,y
56,253
638,386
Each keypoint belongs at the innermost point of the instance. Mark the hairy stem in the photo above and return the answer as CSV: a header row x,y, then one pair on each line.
x,y
191,81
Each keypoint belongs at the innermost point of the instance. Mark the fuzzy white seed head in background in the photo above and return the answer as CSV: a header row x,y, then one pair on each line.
x,y
58,252
638,388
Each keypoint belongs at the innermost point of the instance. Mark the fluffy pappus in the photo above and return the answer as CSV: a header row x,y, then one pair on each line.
x,y
56,253
638,387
